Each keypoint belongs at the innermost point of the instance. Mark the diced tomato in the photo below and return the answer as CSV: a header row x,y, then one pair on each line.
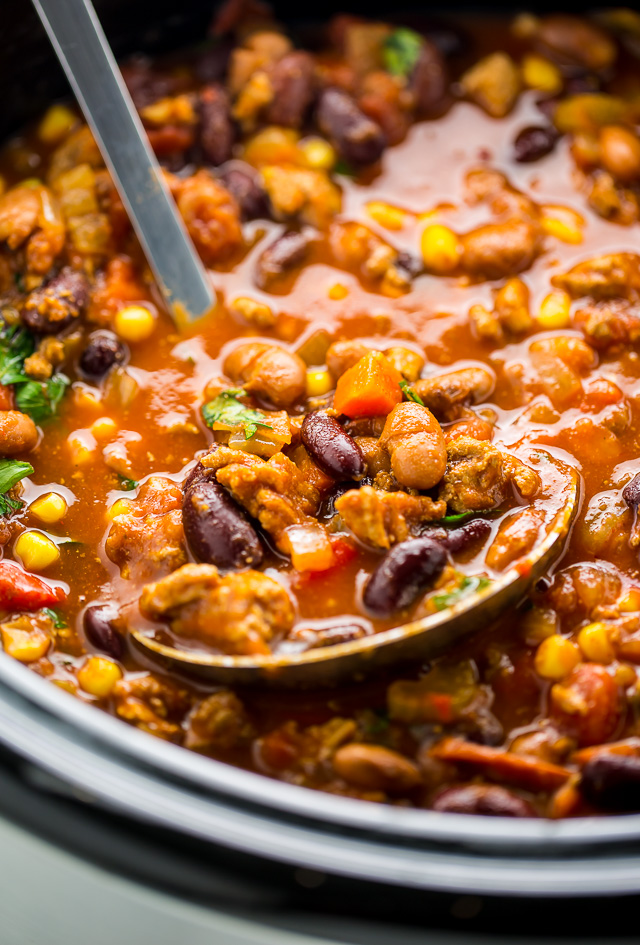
x,y
371,388
22,591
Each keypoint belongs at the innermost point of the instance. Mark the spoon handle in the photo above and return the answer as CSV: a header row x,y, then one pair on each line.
x,y
82,48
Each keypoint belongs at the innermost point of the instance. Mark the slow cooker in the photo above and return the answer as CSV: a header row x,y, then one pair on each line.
x,y
110,835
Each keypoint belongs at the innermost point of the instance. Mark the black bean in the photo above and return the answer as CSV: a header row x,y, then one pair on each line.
x,y
534,142
612,781
631,492
54,306
404,573
217,530
429,81
331,448
292,81
243,182
490,800
457,539
100,628
358,139
217,131
284,254
103,351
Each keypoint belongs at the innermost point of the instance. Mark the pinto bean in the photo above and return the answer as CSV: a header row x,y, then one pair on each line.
x,y
489,800
217,133
54,306
586,705
573,41
416,446
331,448
375,768
217,530
100,628
446,394
612,781
496,250
292,81
404,573
285,253
358,139
269,371
620,150
342,355
18,433
243,182
102,353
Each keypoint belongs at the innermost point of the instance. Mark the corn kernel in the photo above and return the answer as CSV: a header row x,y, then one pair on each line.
x,y
87,397
98,675
56,124
134,323
595,644
625,675
540,74
319,382
555,311
67,684
630,601
386,215
120,507
564,230
318,154
27,646
103,428
338,292
556,657
82,445
35,550
49,508
440,248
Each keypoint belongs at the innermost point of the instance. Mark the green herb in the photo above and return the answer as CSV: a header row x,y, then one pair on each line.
x,y
11,472
127,485
9,505
376,723
39,400
456,519
227,409
469,585
401,51
343,167
410,394
58,620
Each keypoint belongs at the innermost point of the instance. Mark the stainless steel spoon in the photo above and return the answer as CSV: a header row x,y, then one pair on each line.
x,y
83,51
422,639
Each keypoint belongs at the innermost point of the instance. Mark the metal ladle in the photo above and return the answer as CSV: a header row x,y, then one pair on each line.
x,y
422,639
84,53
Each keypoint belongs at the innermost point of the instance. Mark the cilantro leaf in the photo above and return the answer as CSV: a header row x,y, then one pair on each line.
x,y
11,472
469,585
9,505
16,344
410,393
41,400
58,620
227,409
128,485
401,51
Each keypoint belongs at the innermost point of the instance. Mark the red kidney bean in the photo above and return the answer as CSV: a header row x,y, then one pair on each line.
x,y
457,539
216,529
99,622
285,253
631,492
612,781
292,81
358,139
243,182
55,305
217,132
343,634
404,573
331,448
489,800
534,142
429,81
103,351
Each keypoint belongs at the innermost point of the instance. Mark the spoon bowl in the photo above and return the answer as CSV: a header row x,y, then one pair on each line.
x,y
419,640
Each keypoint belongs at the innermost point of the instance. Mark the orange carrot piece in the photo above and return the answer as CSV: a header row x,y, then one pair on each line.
x,y
530,773
628,746
371,388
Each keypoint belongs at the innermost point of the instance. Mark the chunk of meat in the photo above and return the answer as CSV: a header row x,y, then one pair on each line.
x,y
292,81
32,215
609,324
446,394
220,721
298,193
155,705
493,83
475,478
614,275
56,305
271,372
587,704
516,537
274,492
238,614
18,433
382,519
210,213
532,774
415,442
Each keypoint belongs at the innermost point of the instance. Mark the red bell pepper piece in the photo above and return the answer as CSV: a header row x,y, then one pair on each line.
x,y
20,590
